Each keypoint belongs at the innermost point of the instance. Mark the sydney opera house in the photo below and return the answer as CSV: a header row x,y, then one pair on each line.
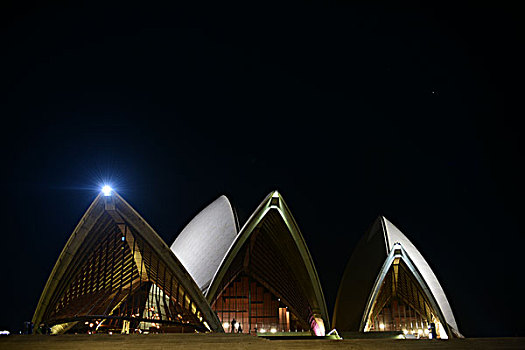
x,y
115,274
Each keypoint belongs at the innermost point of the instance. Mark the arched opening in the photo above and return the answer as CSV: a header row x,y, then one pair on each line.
x,y
402,305
266,286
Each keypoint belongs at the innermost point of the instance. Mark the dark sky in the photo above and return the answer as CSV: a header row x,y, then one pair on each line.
x,y
349,109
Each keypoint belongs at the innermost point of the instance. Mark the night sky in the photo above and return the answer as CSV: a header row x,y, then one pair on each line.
x,y
350,109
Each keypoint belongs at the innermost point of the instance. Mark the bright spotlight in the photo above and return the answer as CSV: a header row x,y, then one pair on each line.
x,y
107,190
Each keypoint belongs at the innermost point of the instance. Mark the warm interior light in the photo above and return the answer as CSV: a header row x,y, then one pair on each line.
x,y
225,325
262,330
107,190
405,331
381,326
273,330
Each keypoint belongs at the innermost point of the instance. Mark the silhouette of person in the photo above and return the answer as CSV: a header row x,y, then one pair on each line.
x,y
233,325
433,330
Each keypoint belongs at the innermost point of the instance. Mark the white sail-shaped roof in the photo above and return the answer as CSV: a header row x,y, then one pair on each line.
x,y
394,235
203,243
360,281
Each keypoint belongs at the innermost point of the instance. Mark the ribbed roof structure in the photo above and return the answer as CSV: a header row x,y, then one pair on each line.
x,y
115,271
271,249
366,272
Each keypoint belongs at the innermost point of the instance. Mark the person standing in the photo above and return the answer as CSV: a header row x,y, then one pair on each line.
x,y
433,330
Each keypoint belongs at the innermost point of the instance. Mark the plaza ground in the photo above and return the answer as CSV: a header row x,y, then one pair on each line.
x,y
234,341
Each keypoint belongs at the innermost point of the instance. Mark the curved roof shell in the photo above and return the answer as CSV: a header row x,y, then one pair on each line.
x,y
364,269
203,243
106,216
273,223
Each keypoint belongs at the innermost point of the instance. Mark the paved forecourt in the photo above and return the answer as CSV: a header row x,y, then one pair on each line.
x,y
233,341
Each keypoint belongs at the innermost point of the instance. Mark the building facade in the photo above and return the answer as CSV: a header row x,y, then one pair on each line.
x,y
116,274
265,280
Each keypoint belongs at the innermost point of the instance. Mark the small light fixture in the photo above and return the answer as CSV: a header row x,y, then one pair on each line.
x,y
106,190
